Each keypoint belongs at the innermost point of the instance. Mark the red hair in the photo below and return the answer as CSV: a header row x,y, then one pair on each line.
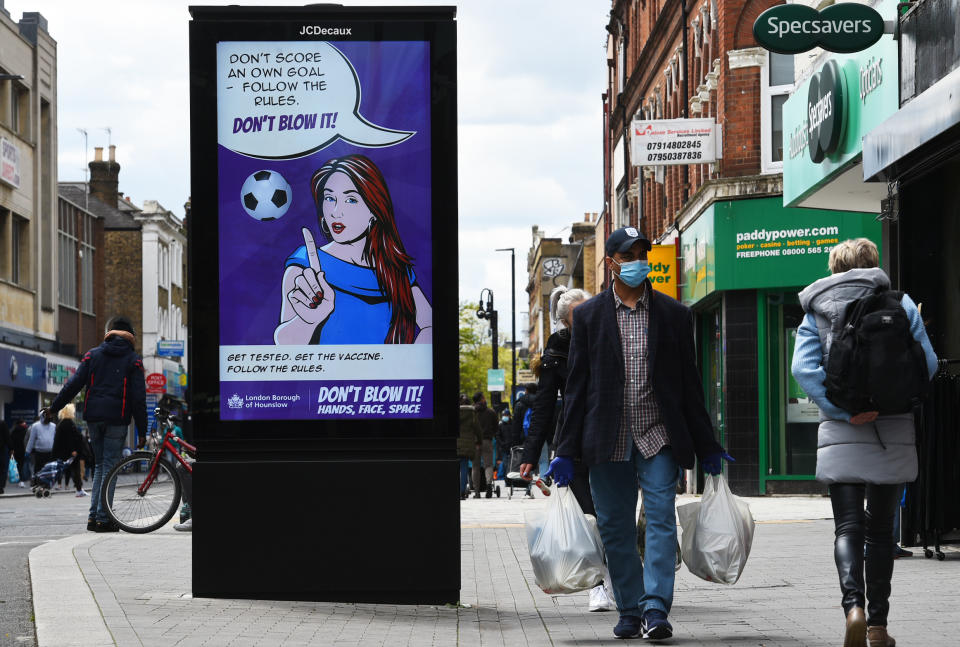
x,y
383,249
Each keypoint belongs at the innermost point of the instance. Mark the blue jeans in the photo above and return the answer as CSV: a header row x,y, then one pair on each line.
x,y
107,442
464,468
638,587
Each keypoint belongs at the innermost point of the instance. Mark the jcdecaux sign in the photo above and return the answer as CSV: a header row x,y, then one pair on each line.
x,y
795,28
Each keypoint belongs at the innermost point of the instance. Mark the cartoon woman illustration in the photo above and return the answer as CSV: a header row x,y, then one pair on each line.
x,y
360,288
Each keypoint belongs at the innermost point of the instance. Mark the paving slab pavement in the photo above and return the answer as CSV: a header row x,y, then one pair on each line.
x,y
788,595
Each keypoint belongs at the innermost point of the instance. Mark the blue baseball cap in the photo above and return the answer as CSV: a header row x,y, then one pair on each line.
x,y
624,238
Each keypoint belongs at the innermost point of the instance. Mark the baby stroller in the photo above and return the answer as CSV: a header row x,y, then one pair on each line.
x,y
49,474
512,477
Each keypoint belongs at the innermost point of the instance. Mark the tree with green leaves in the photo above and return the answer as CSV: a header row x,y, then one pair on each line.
x,y
475,353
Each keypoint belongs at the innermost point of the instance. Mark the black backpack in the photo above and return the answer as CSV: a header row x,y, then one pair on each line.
x,y
875,364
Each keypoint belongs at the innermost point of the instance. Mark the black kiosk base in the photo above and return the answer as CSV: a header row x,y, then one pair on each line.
x,y
373,532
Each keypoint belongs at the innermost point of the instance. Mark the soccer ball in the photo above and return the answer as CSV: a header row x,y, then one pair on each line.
x,y
265,195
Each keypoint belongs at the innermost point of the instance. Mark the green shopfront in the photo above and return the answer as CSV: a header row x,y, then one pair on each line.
x,y
743,263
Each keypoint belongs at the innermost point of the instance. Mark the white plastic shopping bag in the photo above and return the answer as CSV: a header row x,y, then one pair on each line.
x,y
717,533
565,547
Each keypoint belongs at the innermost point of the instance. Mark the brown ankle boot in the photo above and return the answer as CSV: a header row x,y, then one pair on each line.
x,y
879,637
856,634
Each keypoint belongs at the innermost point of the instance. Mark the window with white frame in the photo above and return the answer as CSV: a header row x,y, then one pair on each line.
x,y
776,82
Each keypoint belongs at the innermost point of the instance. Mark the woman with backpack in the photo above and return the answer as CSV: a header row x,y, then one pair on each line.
x,y
544,412
862,451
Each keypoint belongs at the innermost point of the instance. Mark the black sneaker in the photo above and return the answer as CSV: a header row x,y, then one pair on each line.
x,y
628,627
106,526
91,525
656,626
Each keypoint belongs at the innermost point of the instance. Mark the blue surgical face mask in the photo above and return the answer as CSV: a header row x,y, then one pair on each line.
x,y
633,273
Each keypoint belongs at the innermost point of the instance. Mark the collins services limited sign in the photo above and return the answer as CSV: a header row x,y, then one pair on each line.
x,y
794,28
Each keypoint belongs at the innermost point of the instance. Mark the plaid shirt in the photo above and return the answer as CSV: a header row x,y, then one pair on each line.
x,y
641,419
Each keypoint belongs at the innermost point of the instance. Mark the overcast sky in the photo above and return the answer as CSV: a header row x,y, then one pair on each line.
x,y
531,73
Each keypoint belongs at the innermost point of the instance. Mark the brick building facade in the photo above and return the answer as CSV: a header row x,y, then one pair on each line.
x,y
699,59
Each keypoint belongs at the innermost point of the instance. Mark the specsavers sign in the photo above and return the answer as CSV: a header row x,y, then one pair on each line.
x,y
827,116
667,142
796,28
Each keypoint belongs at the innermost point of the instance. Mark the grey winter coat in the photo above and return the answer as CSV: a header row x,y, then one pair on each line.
x,y
879,452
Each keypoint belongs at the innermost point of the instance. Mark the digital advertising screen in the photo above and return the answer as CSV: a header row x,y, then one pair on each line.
x,y
324,212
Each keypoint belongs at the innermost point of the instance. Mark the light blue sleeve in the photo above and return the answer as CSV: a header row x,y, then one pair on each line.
x,y
32,439
807,371
919,333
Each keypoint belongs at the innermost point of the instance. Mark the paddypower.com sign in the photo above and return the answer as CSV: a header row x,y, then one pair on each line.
x,y
795,28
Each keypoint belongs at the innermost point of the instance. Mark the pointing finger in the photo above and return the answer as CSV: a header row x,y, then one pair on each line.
x,y
311,249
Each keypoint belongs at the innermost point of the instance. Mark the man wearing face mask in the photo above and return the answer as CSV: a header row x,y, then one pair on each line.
x,y
634,412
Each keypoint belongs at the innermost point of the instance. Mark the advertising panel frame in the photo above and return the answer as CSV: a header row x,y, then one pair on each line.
x,y
265,24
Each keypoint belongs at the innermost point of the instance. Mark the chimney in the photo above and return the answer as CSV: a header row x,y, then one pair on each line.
x,y
104,176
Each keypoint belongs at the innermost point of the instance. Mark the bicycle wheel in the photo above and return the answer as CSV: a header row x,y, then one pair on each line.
x,y
135,511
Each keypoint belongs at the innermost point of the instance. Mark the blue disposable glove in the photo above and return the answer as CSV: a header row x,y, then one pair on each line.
x,y
561,469
712,464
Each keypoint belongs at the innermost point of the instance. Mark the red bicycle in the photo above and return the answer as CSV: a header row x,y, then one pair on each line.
x,y
141,493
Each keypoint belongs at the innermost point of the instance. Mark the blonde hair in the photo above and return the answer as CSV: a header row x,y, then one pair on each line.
x,y
852,254
68,411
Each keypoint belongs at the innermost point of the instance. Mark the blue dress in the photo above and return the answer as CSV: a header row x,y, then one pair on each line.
x,y
361,313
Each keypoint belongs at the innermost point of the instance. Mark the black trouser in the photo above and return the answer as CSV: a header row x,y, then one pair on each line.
x,y
853,528
40,459
580,486
186,480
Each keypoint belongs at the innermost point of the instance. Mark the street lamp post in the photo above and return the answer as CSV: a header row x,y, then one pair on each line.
x,y
489,313
513,320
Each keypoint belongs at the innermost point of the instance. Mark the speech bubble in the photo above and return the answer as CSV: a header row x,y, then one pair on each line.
x,y
281,100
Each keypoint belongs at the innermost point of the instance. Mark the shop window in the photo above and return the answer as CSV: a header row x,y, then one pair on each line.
x,y
623,207
67,254
776,82
793,417
19,110
20,251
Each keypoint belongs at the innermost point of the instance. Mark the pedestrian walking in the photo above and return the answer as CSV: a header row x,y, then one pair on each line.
x,y
112,374
524,402
483,466
40,441
469,440
18,437
6,452
544,425
634,413
67,444
859,453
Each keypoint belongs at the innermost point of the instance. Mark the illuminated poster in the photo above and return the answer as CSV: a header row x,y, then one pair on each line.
x,y
325,281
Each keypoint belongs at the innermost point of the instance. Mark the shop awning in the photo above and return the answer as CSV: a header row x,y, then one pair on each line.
x,y
899,142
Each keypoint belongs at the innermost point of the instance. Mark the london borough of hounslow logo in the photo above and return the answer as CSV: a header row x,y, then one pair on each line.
x,y
235,402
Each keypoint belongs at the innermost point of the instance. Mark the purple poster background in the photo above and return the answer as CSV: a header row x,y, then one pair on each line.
x,y
394,79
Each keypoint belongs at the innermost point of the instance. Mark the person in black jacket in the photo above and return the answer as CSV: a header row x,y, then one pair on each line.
x,y
67,444
483,465
112,373
523,403
6,452
18,438
544,421
634,412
